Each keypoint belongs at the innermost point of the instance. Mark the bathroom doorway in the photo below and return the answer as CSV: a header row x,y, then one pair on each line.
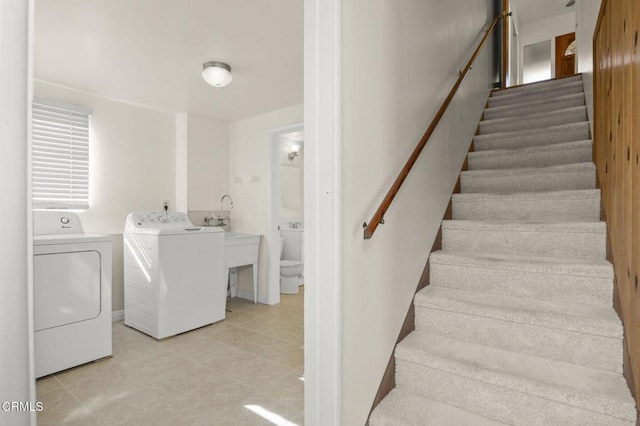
x,y
286,201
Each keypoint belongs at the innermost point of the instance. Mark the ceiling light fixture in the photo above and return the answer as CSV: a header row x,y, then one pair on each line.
x,y
216,73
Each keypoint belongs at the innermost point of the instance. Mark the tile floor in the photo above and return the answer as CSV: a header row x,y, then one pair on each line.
x,y
245,370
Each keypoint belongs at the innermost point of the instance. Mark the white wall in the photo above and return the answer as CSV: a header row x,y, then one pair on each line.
x,y
181,161
249,155
548,29
514,46
586,19
131,158
207,162
131,165
17,381
400,59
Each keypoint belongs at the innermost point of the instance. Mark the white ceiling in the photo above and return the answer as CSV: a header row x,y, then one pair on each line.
x,y
531,11
150,52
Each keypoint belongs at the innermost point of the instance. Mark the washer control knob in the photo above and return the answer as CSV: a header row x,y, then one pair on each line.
x,y
162,219
64,220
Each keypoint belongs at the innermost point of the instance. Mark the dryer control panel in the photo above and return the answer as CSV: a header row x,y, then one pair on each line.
x,y
56,222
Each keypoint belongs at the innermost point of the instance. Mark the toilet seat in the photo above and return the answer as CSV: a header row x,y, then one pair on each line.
x,y
290,263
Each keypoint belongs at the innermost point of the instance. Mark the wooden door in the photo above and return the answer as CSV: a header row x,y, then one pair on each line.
x,y
566,55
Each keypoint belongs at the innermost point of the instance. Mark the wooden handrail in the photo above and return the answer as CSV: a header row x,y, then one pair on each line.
x,y
378,217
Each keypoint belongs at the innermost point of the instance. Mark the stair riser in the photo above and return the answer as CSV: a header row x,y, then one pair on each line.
x,y
603,353
526,243
541,286
520,110
533,159
495,402
404,408
541,138
514,99
553,210
583,179
523,123
462,361
577,319
536,87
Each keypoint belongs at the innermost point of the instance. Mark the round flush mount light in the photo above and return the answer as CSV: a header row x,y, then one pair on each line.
x,y
217,74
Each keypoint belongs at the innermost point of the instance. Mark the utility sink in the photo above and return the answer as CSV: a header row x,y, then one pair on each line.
x,y
241,249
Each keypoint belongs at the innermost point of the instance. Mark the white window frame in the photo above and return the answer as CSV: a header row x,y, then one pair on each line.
x,y
60,160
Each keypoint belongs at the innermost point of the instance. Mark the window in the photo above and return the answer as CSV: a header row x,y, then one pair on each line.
x,y
60,155
571,49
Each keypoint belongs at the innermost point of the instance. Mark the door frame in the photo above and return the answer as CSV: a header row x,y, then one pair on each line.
x,y
275,195
322,212
16,304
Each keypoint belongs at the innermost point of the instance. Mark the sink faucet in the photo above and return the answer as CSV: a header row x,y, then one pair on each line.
x,y
230,200
213,220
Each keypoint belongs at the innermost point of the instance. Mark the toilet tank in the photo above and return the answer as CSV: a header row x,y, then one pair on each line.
x,y
293,244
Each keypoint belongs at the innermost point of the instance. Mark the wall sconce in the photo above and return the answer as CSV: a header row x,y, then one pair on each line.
x,y
294,152
217,74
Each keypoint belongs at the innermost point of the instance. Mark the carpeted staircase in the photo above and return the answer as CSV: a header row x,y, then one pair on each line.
x,y
517,325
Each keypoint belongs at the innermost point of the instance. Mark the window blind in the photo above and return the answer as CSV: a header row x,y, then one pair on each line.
x,y
60,163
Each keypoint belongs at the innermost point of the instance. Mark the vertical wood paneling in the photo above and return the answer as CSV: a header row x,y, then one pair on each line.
x,y
617,156
634,165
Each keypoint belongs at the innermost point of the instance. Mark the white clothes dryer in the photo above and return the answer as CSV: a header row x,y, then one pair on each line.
x,y
72,293
174,274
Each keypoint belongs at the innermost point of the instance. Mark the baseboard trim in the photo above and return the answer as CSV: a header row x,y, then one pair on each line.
x,y
117,315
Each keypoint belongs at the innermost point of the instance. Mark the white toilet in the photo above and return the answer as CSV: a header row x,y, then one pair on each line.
x,y
290,273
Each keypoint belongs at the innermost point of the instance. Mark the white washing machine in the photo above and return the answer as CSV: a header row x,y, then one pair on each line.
x,y
72,293
174,274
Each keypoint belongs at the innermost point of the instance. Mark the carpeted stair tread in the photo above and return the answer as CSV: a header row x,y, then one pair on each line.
x,y
535,94
547,104
404,408
537,156
579,318
548,336
561,279
584,388
510,407
534,121
578,266
564,239
533,137
530,179
537,86
589,166
551,206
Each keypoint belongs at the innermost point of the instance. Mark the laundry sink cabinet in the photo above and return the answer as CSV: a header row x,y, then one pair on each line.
x,y
242,249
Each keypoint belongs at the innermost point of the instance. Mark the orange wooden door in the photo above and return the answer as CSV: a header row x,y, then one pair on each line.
x,y
565,55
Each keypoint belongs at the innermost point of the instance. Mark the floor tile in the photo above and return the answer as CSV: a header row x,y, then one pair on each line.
x,y
215,375
62,408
